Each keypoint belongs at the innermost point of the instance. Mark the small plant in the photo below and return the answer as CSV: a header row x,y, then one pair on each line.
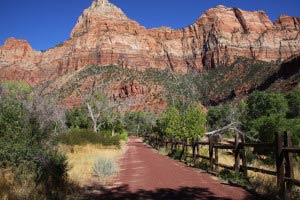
x,y
176,155
163,151
233,176
105,167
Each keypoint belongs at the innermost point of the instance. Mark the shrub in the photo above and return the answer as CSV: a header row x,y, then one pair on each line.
x,y
86,136
78,118
139,122
233,176
293,99
105,167
194,122
217,117
266,104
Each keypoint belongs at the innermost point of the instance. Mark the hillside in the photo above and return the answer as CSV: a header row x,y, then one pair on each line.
x,y
226,53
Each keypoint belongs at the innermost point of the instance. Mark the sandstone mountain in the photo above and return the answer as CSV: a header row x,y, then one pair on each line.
x,y
105,36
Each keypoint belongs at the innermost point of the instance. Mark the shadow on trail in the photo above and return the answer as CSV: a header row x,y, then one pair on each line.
x,y
123,192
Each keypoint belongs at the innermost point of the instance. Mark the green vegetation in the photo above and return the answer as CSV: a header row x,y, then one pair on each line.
x,y
88,136
31,126
268,113
177,124
27,125
211,87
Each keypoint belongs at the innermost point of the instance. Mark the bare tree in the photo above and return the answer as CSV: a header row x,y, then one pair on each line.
x,y
97,105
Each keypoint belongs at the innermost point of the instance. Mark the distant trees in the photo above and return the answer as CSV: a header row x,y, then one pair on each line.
x,y
262,115
139,123
190,123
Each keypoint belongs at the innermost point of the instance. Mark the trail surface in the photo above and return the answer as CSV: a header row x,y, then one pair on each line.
x,y
145,174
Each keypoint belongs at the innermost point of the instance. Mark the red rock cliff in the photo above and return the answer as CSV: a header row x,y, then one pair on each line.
x,y
104,35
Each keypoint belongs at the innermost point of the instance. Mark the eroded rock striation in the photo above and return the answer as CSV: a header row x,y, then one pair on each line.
x,y
104,35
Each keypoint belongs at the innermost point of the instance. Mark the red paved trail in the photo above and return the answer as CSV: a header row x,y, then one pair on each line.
x,y
146,174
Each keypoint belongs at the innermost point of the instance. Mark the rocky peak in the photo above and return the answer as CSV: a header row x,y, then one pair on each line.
x,y
13,43
287,22
106,9
98,11
234,20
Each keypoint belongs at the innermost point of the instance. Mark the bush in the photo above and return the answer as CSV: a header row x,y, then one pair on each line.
x,y
217,117
88,136
105,167
266,104
139,122
233,176
293,99
78,118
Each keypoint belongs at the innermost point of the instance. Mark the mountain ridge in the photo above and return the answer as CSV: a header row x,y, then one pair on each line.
x,y
104,36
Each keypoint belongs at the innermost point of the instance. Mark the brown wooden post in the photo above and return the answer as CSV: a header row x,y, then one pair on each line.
x,y
236,154
216,160
289,171
211,152
197,146
193,151
244,159
279,164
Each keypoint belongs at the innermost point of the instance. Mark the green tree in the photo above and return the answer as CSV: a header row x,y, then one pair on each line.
x,y
139,122
78,118
173,123
293,99
217,116
26,126
194,121
266,104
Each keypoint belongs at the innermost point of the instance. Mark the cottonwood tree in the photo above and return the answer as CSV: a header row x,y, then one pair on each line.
x,y
98,105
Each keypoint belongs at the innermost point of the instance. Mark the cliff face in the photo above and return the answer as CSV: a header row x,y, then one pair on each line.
x,y
104,35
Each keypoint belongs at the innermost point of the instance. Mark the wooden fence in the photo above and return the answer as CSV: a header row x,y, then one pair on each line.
x,y
281,147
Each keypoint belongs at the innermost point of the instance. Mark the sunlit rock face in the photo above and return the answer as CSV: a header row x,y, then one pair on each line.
x,y
104,35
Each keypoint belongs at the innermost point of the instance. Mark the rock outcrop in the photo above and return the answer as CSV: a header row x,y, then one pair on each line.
x,y
104,35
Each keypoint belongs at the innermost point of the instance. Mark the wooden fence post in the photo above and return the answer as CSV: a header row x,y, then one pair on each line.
x,y
279,164
236,154
193,151
211,152
289,171
244,159
216,160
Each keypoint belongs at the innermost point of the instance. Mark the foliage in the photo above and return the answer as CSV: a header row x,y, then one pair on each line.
x,y
88,136
173,123
293,100
217,116
105,167
187,124
266,104
233,176
194,121
293,126
139,122
78,118
27,124
264,128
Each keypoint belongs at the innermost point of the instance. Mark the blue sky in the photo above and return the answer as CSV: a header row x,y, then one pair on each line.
x,y
45,23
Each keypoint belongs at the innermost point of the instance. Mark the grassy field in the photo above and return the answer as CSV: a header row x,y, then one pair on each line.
x,y
81,160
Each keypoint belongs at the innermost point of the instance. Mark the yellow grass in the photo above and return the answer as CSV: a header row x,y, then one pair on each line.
x,y
81,160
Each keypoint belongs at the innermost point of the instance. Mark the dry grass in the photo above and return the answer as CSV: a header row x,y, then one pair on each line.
x,y
82,158
262,183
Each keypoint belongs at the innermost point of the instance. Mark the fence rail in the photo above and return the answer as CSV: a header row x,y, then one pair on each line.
x,y
281,147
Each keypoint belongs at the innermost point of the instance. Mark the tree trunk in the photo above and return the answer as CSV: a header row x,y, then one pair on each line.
x,y
92,117
113,131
